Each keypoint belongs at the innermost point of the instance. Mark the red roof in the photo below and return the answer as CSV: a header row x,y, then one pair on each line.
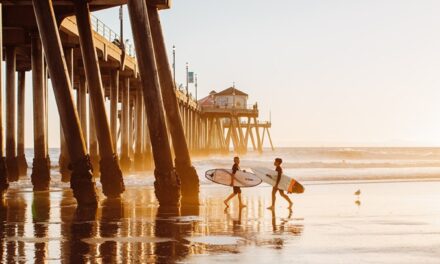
x,y
231,91
207,101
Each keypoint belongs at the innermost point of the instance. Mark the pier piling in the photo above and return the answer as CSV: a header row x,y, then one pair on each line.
x,y
125,122
21,158
138,157
11,154
3,171
81,105
111,175
185,170
167,183
40,175
82,182
64,159
114,94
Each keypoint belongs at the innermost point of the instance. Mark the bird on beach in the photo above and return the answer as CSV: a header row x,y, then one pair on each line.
x,y
358,193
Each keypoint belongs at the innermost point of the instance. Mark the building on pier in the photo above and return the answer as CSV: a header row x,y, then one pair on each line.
x,y
229,119
230,98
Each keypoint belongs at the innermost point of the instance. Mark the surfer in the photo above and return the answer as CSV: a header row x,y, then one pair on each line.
x,y
236,190
279,170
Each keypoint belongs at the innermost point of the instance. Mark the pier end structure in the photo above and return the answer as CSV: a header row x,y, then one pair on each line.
x,y
230,120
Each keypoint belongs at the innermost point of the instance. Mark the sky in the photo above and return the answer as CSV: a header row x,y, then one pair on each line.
x,y
327,73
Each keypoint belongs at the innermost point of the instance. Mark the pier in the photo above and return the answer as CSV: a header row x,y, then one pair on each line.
x,y
149,124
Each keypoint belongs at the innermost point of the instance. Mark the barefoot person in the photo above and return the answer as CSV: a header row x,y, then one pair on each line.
x,y
236,190
279,170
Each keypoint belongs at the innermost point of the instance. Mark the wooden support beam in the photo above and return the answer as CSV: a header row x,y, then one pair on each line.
x,y
81,182
64,158
167,184
114,93
221,136
210,131
234,136
131,129
111,174
3,171
93,142
40,176
148,161
138,156
11,154
21,158
46,111
243,147
81,104
228,138
270,139
257,132
262,138
251,135
125,121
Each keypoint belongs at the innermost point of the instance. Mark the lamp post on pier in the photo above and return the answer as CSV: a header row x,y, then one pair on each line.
x,y
187,80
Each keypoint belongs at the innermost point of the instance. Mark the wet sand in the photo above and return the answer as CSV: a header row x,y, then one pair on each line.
x,y
395,222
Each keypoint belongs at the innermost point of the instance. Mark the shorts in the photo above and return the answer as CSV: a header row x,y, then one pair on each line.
x,y
237,190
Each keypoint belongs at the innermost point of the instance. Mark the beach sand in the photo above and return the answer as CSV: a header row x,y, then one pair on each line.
x,y
392,222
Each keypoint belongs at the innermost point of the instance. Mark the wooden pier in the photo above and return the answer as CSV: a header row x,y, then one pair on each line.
x,y
149,123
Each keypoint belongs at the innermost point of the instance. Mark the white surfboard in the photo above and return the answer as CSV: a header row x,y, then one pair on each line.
x,y
224,176
286,183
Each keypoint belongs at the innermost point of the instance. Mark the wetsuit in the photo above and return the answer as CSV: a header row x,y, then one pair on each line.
x,y
235,168
280,172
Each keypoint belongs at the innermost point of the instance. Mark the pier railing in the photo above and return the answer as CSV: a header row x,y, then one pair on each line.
x,y
105,31
224,110
227,123
228,107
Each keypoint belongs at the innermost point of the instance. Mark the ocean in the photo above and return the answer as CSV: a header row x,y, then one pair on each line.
x,y
309,165
343,164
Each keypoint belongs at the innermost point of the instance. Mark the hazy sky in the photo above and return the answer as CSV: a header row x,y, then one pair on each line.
x,y
330,72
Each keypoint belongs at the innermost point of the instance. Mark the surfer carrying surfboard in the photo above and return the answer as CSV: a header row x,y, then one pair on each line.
x,y
279,170
236,190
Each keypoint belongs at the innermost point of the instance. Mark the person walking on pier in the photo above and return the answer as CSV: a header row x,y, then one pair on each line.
x,y
236,190
279,170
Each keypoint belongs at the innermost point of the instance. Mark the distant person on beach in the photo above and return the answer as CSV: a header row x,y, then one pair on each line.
x,y
279,170
236,190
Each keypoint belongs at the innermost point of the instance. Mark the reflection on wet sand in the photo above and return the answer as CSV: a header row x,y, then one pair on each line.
x,y
112,213
325,226
3,218
83,226
14,228
40,219
131,229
